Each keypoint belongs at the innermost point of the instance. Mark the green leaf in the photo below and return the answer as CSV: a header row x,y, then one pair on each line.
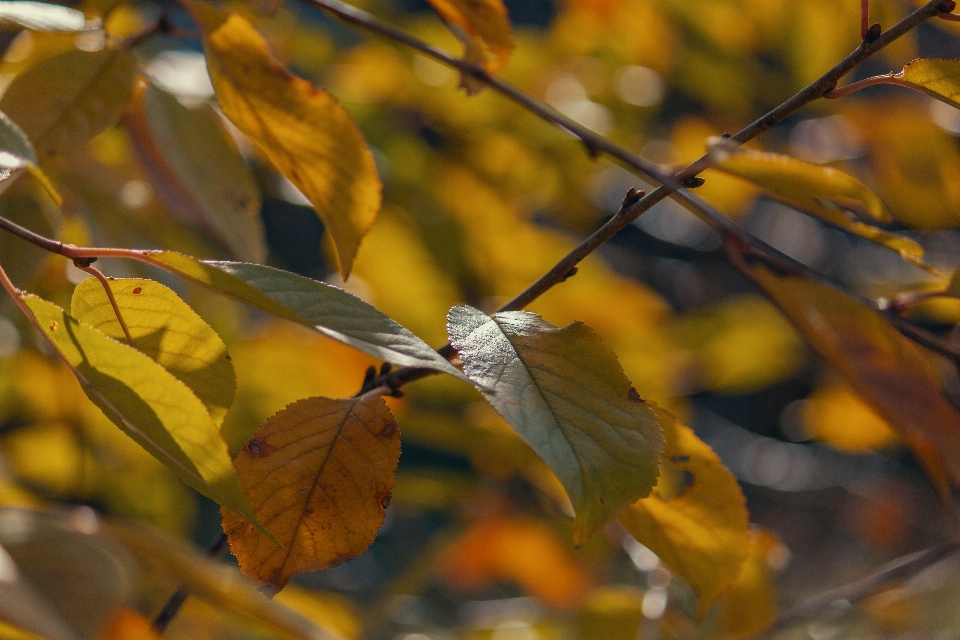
x,y
175,145
307,135
823,192
935,77
92,90
17,153
564,392
322,307
147,403
41,16
165,329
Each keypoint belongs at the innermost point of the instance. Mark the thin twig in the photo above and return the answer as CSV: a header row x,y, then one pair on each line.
x,y
840,599
85,266
864,18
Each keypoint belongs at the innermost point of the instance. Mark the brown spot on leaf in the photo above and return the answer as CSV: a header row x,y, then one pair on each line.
x,y
255,447
385,501
679,459
53,325
137,290
633,396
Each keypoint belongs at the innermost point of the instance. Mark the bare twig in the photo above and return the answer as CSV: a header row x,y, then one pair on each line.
x,y
840,599
170,610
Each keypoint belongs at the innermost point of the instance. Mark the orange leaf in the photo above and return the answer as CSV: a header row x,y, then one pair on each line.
x,y
890,372
318,474
127,624
483,26
516,549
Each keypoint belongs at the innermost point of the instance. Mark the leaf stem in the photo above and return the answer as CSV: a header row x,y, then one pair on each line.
x,y
84,265
840,599
864,18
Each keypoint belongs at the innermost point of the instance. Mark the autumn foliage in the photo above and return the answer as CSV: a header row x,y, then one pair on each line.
x,y
659,313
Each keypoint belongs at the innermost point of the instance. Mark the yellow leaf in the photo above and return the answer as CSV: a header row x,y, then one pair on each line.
x,y
935,77
165,329
750,604
835,415
145,402
174,145
92,90
890,372
516,549
127,624
823,192
482,25
304,131
564,392
696,519
319,474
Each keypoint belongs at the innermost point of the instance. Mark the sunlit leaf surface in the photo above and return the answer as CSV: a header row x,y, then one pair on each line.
x,y
838,417
147,403
891,373
41,16
308,136
696,519
322,307
750,604
165,329
93,88
319,475
564,392
936,77
823,192
175,145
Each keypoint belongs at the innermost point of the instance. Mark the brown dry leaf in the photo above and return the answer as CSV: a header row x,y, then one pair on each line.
x,y
890,372
517,549
307,135
484,28
696,519
319,475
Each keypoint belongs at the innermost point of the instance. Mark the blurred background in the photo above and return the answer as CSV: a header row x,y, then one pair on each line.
x,y
480,199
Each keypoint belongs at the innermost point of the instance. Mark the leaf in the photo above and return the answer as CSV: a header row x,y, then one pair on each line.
x,y
93,88
518,549
165,329
17,153
564,392
891,373
63,559
175,145
833,414
483,26
934,77
41,16
823,192
696,518
750,604
145,402
322,307
308,136
319,474
213,581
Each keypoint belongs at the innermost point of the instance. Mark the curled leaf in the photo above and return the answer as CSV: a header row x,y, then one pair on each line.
x,y
564,392
823,192
484,28
167,330
308,136
319,474
696,518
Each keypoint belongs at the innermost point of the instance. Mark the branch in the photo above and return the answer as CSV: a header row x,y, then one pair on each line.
x,y
840,599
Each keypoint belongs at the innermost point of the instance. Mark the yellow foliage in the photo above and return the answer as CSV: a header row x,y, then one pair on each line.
x,y
835,415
